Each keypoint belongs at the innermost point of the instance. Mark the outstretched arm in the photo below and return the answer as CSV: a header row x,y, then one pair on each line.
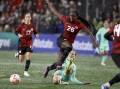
x,y
52,9
109,36
92,37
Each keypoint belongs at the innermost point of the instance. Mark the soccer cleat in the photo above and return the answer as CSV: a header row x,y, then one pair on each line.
x,y
46,72
103,64
104,86
26,74
64,83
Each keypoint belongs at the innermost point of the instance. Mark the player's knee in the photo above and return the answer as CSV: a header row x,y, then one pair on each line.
x,y
21,58
67,50
28,55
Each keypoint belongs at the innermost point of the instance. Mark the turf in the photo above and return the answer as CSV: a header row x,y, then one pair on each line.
x,y
88,70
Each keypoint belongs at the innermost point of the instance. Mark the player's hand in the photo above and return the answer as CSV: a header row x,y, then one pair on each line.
x,y
19,35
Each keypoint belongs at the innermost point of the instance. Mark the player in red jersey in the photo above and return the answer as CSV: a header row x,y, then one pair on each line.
x,y
114,36
72,25
25,31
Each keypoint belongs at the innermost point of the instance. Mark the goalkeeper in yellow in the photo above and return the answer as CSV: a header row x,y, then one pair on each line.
x,y
68,71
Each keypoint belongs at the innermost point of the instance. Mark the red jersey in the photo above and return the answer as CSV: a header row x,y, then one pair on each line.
x,y
26,31
71,29
115,33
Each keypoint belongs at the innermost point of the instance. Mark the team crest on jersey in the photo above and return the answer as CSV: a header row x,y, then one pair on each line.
x,y
117,30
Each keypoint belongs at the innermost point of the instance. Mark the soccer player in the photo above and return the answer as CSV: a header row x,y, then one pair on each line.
x,y
102,42
25,31
72,26
68,71
114,36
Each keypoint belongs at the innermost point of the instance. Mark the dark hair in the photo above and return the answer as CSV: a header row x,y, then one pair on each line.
x,y
74,13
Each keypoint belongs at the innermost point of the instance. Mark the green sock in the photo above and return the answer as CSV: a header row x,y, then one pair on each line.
x,y
104,58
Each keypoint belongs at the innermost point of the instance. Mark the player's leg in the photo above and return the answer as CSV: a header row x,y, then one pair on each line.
x,y
21,58
28,56
17,53
21,54
58,64
103,59
104,55
53,66
115,79
65,48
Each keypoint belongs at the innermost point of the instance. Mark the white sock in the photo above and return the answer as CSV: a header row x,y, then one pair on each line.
x,y
107,84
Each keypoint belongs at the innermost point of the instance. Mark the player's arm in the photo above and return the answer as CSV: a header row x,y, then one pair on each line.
x,y
17,31
52,9
109,35
87,30
92,37
35,31
97,35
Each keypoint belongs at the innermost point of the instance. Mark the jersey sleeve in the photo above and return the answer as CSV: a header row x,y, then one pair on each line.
x,y
109,35
63,18
18,29
82,26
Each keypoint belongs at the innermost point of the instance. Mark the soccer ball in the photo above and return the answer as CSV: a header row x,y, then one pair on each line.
x,y
56,79
15,79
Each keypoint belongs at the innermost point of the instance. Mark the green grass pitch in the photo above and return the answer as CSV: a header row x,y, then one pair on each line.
x,y
88,70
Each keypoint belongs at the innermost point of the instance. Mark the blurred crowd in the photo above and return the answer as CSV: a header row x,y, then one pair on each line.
x,y
12,12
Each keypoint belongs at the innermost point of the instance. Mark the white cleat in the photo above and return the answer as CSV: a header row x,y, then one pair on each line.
x,y
103,64
26,74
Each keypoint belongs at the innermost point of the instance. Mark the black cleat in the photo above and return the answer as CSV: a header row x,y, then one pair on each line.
x,y
46,72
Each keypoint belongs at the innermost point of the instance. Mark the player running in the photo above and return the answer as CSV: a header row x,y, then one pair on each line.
x,y
25,31
72,26
103,43
68,71
114,36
